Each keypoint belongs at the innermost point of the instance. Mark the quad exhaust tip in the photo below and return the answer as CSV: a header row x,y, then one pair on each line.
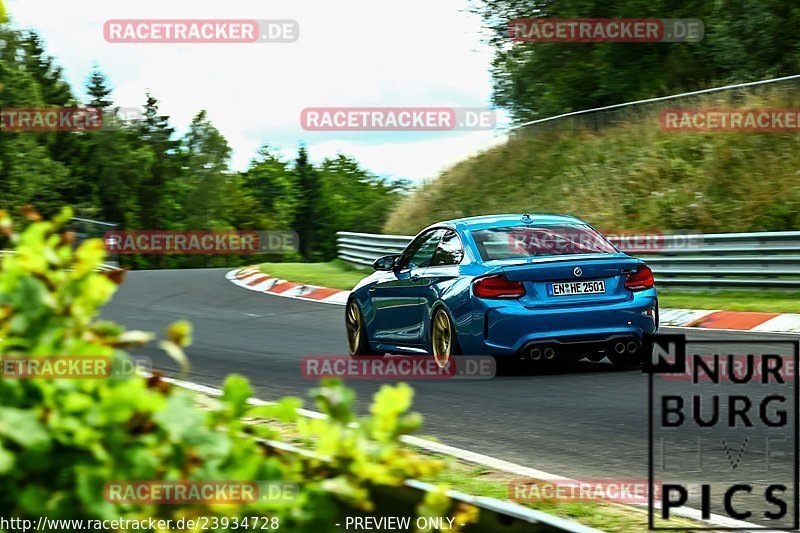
x,y
619,347
549,353
536,354
632,347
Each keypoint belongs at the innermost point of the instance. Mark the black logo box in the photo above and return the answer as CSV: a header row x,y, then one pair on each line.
x,y
679,366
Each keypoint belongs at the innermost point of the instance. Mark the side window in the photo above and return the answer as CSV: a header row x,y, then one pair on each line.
x,y
449,251
420,252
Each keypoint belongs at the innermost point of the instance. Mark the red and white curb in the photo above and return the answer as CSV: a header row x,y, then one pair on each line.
x,y
253,279
731,320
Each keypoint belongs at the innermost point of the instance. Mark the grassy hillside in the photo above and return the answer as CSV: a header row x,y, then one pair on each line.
x,y
633,176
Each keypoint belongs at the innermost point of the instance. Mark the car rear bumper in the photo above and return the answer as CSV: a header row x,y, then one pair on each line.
x,y
578,347
508,328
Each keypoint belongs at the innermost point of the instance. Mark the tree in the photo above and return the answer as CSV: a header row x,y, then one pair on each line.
x,y
355,200
28,171
137,174
99,91
743,41
154,191
309,211
206,159
274,186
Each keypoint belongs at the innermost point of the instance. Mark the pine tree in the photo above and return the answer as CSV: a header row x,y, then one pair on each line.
x,y
113,164
155,133
307,223
99,91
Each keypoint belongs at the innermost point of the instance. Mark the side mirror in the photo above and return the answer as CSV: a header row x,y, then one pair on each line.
x,y
386,262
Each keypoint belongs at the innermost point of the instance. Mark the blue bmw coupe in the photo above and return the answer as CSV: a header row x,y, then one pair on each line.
x,y
518,287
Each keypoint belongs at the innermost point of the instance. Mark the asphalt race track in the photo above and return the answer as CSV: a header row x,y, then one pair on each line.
x,y
588,421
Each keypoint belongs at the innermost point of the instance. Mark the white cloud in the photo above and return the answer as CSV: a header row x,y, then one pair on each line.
x,y
350,53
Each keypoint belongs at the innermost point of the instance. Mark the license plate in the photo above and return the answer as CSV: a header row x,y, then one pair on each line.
x,y
576,287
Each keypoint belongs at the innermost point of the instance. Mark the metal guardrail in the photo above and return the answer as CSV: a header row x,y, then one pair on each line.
x,y
793,77
720,260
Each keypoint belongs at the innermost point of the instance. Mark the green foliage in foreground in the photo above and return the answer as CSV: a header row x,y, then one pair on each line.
x,y
62,440
629,177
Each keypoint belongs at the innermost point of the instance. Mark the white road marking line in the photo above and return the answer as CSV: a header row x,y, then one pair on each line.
x,y
748,332
478,458
788,322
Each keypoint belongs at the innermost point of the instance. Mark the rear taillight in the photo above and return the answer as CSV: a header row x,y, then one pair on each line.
x,y
498,287
640,280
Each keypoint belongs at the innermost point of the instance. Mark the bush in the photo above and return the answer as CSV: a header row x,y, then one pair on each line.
x,y
62,440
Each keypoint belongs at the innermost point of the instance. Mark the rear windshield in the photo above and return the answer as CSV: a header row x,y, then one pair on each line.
x,y
531,241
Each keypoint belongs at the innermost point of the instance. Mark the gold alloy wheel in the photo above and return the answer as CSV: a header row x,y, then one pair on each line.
x,y
354,327
442,338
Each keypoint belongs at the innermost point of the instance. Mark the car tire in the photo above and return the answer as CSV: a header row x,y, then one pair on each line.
x,y
444,340
357,339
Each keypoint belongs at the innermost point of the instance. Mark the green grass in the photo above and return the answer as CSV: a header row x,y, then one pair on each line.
x,y
336,274
633,176
605,516
764,301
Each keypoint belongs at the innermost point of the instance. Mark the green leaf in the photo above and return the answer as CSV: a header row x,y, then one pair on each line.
x,y
285,410
23,427
7,460
335,400
176,354
235,393
179,419
180,333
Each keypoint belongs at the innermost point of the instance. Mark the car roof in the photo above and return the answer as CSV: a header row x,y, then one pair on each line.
x,y
499,221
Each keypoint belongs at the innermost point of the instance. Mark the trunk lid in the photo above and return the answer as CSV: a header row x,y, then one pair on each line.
x,y
566,281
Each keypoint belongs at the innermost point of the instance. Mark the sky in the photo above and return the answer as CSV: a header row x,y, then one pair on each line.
x,y
350,53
